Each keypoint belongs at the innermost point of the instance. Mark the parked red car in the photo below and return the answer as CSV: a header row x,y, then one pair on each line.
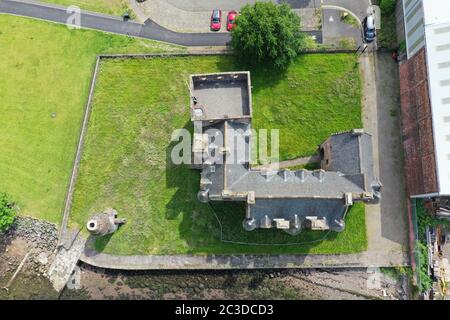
x,y
231,20
216,19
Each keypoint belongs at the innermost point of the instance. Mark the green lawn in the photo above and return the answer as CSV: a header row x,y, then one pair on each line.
x,y
46,68
114,7
319,95
126,164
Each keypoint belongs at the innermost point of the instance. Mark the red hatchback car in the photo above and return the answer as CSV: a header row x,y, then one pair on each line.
x,y
216,20
231,20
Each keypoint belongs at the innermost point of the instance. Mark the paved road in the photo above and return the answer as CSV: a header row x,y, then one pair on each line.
x,y
148,30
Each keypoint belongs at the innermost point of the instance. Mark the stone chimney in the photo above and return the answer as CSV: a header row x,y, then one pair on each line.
x,y
101,224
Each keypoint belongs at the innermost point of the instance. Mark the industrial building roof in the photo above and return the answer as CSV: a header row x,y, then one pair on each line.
x,y
437,38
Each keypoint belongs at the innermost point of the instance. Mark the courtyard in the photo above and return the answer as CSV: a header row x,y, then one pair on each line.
x,y
126,159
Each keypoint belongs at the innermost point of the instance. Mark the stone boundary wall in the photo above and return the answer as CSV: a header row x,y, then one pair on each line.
x,y
76,163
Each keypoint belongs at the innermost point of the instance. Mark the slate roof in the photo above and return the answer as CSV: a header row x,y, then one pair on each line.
x,y
284,194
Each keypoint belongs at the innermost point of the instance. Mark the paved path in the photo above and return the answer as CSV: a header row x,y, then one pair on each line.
x,y
387,227
90,20
335,30
64,264
113,24
204,262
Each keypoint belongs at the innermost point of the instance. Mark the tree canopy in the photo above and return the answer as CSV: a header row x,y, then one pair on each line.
x,y
7,212
268,33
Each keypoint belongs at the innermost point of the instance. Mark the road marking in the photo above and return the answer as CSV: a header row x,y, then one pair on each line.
x,y
331,19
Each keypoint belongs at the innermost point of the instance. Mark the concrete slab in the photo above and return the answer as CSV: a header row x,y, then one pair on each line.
x,y
65,262
194,16
338,33
208,5
222,98
387,221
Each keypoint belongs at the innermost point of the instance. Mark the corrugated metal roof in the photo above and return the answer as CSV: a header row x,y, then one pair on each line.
x,y
437,35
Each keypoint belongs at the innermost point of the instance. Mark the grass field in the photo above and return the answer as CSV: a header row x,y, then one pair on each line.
x,y
46,70
126,164
114,7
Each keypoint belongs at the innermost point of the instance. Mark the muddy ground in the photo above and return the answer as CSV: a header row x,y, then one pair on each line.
x,y
94,283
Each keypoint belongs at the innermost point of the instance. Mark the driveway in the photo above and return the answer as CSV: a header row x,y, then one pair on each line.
x,y
387,227
338,33
193,16
335,31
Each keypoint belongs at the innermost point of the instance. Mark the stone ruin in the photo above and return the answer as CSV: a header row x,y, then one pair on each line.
x,y
101,224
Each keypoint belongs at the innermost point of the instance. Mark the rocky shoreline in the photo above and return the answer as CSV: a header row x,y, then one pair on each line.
x,y
42,234
42,237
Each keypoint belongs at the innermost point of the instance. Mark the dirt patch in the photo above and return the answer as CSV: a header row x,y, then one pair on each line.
x,y
233,284
30,283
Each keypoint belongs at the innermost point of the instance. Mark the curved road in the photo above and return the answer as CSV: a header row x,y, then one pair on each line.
x,y
91,20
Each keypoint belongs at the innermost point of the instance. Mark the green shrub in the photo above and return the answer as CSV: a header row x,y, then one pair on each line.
x,y
268,33
424,220
425,281
402,47
387,6
7,212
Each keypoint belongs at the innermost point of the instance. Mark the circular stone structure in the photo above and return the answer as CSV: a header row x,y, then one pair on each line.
x,y
203,196
101,224
338,225
249,224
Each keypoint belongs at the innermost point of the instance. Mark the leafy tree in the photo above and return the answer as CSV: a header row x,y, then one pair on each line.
x,y
7,212
387,6
268,33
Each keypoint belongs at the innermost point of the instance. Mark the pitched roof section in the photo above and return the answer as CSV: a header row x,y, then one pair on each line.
x,y
284,199
437,37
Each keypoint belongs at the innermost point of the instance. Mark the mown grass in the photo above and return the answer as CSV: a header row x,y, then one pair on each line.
x,y
113,7
318,95
126,161
45,75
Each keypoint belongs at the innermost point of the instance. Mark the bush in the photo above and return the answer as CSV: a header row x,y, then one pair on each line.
x,y
424,220
387,6
268,33
7,212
